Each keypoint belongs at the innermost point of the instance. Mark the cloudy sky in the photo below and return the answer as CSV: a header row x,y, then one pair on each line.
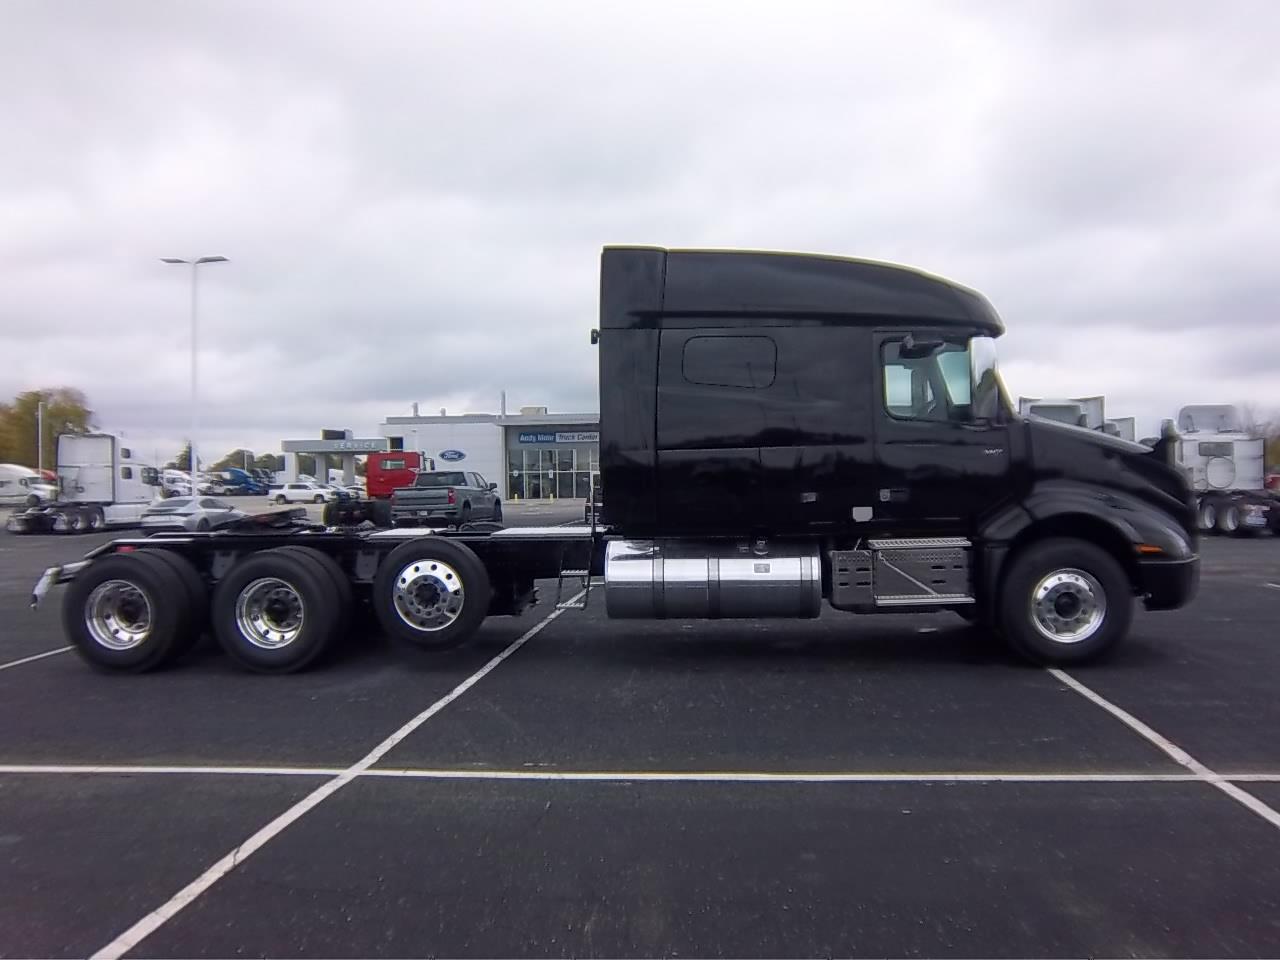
x,y
413,196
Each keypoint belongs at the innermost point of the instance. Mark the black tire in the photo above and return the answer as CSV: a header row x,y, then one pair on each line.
x,y
304,584
33,500
380,513
202,525
99,626
329,568
1207,516
280,499
1229,519
196,590
497,511
97,520
1079,562
331,515
317,499
436,564
466,514
77,521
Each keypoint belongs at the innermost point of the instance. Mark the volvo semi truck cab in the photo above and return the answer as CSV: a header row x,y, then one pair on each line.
x,y
779,432
779,429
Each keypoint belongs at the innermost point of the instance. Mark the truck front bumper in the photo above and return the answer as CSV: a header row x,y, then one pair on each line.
x,y
1168,584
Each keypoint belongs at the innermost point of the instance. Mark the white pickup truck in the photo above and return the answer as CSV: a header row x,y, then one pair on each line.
x,y
300,491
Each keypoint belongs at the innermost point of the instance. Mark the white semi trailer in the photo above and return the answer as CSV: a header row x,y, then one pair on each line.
x,y
100,485
1225,462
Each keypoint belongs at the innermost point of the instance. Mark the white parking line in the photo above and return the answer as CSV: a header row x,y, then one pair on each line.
x,y
131,937
633,776
38,656
1179,755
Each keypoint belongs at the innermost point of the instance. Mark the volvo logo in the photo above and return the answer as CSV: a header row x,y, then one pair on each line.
x,y
452,456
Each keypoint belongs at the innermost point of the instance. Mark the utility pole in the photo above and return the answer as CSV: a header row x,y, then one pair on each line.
x,y
195,409
40,437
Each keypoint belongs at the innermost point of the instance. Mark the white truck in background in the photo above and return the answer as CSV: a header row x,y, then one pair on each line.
x,y
1225,463
23,487
100,485
1087,412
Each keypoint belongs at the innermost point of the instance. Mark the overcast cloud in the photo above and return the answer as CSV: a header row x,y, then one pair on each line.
x,y
413,196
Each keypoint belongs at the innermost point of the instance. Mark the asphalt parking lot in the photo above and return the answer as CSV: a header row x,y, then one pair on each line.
x,y
567,785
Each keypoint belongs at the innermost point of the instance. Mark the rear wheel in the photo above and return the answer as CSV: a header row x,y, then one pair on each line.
x,y
466,514
497,511
317,499
328,567
77,521
97,520
194,588
431,592
125,613
274,612
1064,601
1229,519
1207,516
380,513
280,498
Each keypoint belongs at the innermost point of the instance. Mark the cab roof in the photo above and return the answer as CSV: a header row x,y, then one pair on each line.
x,y
640,285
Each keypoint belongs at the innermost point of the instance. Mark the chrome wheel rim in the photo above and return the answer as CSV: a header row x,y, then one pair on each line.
x,y
428,595
270,613
1068,606
1230,519
118,614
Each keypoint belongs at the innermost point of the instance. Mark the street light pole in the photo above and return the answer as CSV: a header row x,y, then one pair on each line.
x,y
195,395
40,439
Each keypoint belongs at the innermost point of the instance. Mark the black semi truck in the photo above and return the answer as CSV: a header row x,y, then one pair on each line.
x,y
776,430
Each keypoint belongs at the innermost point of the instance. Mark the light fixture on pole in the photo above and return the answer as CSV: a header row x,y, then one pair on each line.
x,y
195,419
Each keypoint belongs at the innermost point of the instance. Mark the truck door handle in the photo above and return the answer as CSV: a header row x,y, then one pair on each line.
x,y
894,495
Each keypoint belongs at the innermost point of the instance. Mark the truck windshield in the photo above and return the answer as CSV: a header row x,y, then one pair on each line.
x,y
439,480
957,381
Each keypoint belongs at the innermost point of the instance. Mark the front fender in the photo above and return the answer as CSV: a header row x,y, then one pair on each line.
x,y
1067,508
1137,521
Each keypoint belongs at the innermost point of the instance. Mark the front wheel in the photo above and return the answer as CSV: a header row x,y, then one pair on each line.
x,y
1064,601
497,511
318,499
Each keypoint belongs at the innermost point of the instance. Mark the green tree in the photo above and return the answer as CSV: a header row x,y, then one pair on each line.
x,y
66,410
269,461
182,461
239,457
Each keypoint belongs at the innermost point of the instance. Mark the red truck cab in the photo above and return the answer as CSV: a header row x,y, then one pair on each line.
x,y
385,472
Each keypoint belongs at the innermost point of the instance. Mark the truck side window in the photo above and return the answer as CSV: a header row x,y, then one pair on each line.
x,y
935,387
126,453
748,362
126,473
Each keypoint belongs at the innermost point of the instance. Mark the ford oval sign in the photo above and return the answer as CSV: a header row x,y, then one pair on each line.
x,y
452,456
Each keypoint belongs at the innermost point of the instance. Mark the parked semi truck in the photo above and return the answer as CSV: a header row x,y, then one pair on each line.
x,y
100,485
1087,412
1225,464
776,431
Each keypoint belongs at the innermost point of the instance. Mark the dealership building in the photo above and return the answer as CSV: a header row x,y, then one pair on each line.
x,y
532,455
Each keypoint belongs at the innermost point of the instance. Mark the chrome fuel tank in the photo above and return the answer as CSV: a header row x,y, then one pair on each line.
x,y
684,579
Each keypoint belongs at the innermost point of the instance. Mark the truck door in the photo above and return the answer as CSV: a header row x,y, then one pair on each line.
x,y
942,450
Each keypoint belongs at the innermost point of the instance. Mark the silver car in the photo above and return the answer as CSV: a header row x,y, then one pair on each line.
x,y
190,513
